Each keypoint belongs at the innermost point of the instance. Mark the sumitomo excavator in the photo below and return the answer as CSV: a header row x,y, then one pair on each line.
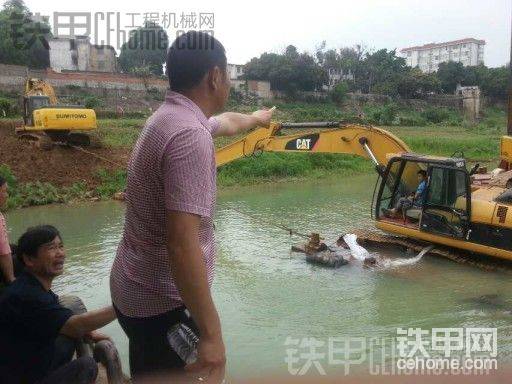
x,y
47,122
455,213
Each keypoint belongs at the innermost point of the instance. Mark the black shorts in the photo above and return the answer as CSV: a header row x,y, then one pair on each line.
x,y
149,350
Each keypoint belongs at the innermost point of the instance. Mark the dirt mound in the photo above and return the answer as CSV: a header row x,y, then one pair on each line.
x,y
61,166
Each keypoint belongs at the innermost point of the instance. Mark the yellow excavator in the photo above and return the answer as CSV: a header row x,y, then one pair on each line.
x,y
456,213
46,122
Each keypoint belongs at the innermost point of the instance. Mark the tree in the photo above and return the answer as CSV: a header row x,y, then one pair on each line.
x,y
346,59
450,74
289,72
494,82
146,48
381,72
414,83
339,92
23,40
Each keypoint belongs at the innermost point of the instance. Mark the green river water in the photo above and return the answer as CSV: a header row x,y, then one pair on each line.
x,y
265,293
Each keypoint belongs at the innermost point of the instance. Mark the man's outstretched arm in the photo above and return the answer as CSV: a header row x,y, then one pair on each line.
x,y
233,123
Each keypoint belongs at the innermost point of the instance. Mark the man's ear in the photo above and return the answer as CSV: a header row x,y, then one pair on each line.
x,y
27,261
215,78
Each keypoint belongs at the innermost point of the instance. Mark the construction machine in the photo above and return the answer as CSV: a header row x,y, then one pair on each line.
x,y
46,122
455,213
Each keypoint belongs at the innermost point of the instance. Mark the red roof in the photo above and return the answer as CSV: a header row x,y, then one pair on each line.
x,y
437,45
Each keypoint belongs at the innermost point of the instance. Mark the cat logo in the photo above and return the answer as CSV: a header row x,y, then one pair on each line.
x,y
303,144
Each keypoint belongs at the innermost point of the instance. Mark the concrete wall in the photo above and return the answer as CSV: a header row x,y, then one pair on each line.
x,y
80,55
12,77
102,58
61,57
83,51
118,90
257,87
261,88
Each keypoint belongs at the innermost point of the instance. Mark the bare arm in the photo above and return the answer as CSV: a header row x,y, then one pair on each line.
x,y
7,268
232,123
79,325
189,272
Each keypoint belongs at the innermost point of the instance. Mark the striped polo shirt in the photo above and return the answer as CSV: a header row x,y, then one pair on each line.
x,y
172,167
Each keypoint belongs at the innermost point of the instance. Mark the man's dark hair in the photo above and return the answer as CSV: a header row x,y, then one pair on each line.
x,y
2,181
422,173
33,238
191,56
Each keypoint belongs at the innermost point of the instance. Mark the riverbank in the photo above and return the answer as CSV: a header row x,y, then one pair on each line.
x,y
64,174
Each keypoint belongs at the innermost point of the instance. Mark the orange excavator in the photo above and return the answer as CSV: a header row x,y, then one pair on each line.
x,y
455,213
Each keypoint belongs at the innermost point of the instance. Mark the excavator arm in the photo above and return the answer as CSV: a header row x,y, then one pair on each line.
x,y
369,142
38,87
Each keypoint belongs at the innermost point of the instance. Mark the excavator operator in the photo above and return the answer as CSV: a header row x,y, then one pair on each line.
x,y
414,200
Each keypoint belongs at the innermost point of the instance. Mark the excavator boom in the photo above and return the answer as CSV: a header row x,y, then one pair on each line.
x,y
365,141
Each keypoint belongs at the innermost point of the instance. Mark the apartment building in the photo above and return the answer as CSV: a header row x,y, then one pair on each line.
x,y
427,57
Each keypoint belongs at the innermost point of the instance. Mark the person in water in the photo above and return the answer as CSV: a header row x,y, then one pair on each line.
x,y
414,200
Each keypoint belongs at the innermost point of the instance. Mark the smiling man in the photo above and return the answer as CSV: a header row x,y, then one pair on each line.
x,y
31,318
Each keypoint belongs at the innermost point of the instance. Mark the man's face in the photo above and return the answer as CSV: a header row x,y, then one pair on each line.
x,y
420,178
220,89
50,259
3,194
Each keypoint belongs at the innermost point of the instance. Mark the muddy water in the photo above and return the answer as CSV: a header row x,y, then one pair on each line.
x,y
266,294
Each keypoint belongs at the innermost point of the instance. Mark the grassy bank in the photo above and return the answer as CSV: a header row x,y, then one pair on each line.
x,y
442,132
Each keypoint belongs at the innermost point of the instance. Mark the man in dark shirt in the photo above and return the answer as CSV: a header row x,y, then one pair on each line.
x,y
31,318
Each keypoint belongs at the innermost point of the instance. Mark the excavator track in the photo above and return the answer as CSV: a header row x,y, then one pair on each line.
x,y
47,140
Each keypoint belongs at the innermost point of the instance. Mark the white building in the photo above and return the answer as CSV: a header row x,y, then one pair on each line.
x,y
427,57
335,75
235,71
79,54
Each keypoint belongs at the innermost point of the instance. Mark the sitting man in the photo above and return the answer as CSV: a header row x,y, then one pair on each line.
x,y
31,318
415,199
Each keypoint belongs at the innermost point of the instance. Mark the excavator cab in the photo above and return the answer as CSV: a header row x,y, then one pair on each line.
x,y
446,208
30,104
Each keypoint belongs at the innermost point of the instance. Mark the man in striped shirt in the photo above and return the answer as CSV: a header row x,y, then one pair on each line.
x,y
164,265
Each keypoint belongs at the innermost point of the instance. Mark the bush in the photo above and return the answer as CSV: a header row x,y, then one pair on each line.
x,y
111,182
236,96
339,92
6,107
73,87
38,194
155,94
411,120
92,102
385,115
436,115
